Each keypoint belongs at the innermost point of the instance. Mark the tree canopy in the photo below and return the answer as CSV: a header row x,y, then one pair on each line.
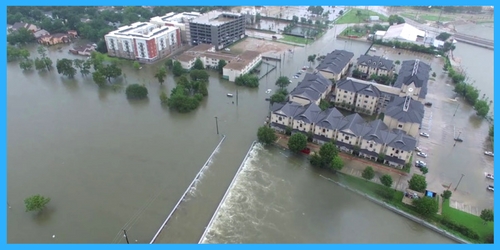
x,y
386,180
426,206
266,135
297,142
487,215
417,183
368,173
36,203
247,80
136,91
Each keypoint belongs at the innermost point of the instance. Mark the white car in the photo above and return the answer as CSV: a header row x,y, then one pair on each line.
x,y
490,188
424,134
422,154
489,176
418,149
420,164
489,153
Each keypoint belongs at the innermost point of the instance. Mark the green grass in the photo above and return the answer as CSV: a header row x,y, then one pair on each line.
x,y
427,17
350,31
350,17
295,39
469,220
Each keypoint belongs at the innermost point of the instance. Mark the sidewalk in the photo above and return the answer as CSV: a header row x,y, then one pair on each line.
x,y
354,166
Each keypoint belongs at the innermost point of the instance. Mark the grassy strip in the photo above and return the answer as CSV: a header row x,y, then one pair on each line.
x,y
376,190
350,16
295,39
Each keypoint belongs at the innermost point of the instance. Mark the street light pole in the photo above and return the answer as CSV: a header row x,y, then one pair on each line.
x,y
459,182
125,235
458,105
217,125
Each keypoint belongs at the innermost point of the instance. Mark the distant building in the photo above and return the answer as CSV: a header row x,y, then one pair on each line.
x,y
40,33
404,113
241,65
220,29
57,38
312,89
335,64
413,78
374,65
404,33
146,42
179,20
83,50
18,25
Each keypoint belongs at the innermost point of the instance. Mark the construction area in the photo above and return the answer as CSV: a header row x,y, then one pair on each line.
x,y
265,47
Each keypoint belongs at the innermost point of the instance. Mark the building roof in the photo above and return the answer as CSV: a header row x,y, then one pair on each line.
x,y
416,72
19,25
405,110
215,18
173,17
329,118
309,113
143,30
376,62
335,61
289,109
404,31
311,87
358,87
41,33
242,60
380,33
402,141
185,57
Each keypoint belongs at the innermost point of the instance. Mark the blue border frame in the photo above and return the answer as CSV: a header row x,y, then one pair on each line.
x,y
3,91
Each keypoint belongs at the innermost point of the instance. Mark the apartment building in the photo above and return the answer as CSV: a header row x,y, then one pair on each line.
x,y
220,29
350,133
179,20
242,64
413,78
404,113
312,89
146,42
358,96
335,65
375,65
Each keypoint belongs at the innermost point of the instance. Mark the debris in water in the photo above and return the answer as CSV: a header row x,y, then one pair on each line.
x,y
53,236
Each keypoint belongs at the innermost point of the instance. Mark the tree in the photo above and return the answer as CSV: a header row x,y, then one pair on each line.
x,y
443,36
65,67
221,64
169,63
482,108
39,64
161,73
417,183
136,91
337,163
163,97
21,36
395,19
136,65
386,180
41,51
36,203
297,142
486,215
368,173
198,64
327,153
426,206
359,15
202,88
311,58
26,64
266,135
111,71
99,78
177,69
199,75
282,82
85,70
248,80
446,194
424,170
277,98
47,62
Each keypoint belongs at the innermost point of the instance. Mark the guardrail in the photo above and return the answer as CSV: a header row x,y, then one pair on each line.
x,y
226,193
187,190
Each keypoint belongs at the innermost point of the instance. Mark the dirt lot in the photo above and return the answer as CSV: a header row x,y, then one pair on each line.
x,y
263,46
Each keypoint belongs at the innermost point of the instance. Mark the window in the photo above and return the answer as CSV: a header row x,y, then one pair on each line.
x,y
280,119
400,125
397,151
345,91
300,125
366,101
324,130
371,145
366,96
364,106
346,137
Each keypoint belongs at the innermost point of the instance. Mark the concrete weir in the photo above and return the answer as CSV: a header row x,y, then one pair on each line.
x,y
226,194
193,183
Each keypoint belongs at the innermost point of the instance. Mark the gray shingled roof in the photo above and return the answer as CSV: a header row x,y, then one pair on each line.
x,y
414,114
354,125
309,113
311,87
378,132
335,61
414,71
289,109
357,87
375,62
402,141
329,118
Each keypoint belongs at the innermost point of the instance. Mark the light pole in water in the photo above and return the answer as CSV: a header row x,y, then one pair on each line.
x,y
217,125
125,235
459,182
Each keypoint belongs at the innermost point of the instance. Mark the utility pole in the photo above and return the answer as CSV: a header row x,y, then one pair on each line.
x,y
125,235
458,105
217,125
459,182
236,97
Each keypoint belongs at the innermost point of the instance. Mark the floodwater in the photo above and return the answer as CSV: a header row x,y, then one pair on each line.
x,y
110,164
279,198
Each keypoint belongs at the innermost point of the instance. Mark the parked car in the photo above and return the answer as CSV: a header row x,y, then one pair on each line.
x,y
458,139
428,104
489,153
489,176
418,149
420,164
422,154
424,135
490,188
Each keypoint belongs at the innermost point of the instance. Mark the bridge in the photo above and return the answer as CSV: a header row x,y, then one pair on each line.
x,y
474,40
